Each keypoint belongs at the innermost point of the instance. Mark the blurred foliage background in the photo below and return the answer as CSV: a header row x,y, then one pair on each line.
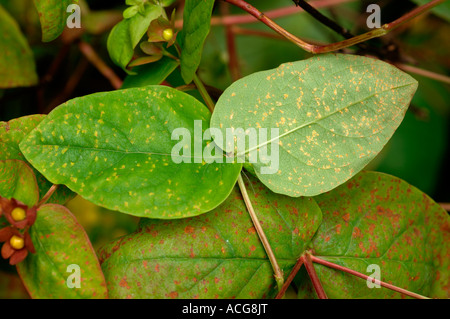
x,y
419,151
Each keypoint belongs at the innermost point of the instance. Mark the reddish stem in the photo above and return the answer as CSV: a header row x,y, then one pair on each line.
x,y
363,276
291,277
233,61
48,195
314,278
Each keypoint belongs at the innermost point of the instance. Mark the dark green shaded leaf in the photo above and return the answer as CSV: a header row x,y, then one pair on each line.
x,y
15,53
60,242
114,149
196,25
11,134
334,113
17,181
150,74
378,219
216,255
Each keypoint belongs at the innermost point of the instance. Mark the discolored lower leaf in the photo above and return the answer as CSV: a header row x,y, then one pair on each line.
x,y
60,242
216,255
18,181
377,219
11,134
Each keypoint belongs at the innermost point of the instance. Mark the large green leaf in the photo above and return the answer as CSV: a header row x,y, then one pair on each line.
x,y
150,74
11,134
216,255
196,25
125,35
18,181
60,242
381,220
114,149
16,59
53,15
334,113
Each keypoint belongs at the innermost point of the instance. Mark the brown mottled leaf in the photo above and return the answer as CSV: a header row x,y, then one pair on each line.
x,y
215,255
18,181
378,219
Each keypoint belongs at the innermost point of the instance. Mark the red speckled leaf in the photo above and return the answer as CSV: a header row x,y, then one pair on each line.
x,y
17,181
53,15
378,219
60,241
215,255
11,134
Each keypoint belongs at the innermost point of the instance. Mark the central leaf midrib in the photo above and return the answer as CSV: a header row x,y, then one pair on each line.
x,y
316,121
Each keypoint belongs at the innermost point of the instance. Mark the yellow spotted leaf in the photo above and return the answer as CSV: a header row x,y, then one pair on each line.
x,y
115,150
333,114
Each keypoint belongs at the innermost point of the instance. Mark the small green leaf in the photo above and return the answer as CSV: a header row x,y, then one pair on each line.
x,y
334,113
196,25
150,74
18,181
378,219
115,149
60,242
125,35
11,134
15,53
216,255
53,15
130,12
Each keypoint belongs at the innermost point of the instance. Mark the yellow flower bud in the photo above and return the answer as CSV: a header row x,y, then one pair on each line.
x,y
17,242
18,214
167,34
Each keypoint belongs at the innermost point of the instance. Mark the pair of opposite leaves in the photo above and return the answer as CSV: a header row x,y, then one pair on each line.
x,y
334,114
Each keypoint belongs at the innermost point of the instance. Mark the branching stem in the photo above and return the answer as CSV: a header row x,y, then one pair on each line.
x,y
386,28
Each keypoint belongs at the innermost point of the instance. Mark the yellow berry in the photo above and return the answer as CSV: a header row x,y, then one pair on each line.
x,y
167,34
18,214
17,242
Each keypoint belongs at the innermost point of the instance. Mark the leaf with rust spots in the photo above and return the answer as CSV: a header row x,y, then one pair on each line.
x,y
59,242
217,254
52,15
11,134
18,181
334,114
380,219
116,150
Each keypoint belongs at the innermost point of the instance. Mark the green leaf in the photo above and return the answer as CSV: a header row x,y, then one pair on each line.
x,y
114,149
150,74
16,54
216,255
125,35
196,25
11,134
18,181
442,10
60,242
378,219
53,15
334,113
